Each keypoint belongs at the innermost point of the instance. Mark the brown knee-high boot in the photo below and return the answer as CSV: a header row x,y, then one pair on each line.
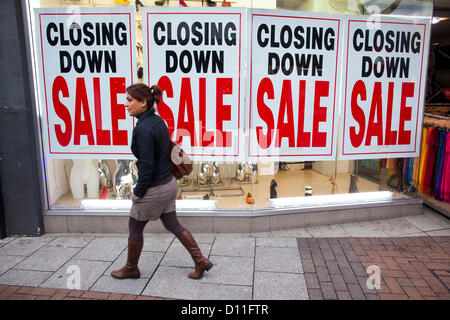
x,y
130,270
201,263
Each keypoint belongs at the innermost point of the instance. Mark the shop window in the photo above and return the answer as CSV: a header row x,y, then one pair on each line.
x,y
234,185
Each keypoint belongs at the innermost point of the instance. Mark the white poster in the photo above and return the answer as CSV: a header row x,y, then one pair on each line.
x,y
384,88
293,92
86,59
195,55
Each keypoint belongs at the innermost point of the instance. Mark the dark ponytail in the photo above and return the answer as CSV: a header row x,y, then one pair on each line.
x,y
140,91
156,93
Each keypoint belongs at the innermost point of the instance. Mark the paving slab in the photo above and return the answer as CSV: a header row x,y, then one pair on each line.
x,y
24,278
363,229
444,232
125,286
228,235
155,243
397,227
47,259
162,285
328,231
24,246
8,262
148,262
201,238
90,271
70,242
277,242
279,286
266,234
231,271
418,234
178,256
236,247
6,240
88,234
158,235
103,249
293,233
424,223
278,260
436,217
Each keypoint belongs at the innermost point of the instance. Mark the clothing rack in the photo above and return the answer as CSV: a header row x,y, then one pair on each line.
x,y
441,205
431,120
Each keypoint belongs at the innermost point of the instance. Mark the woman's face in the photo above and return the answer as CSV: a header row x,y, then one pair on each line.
x,y
135,107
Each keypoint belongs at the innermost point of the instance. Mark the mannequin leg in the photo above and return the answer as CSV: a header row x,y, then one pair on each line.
x,y
77,187
92,187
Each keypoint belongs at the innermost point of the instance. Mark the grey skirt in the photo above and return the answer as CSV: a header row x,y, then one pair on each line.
x,y
156,201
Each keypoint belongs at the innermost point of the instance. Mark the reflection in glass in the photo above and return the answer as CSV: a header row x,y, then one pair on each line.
x,y
125,178
246,172
209,173
104,173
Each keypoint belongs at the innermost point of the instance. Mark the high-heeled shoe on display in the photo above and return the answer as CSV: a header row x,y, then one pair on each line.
x,y
226,3
161,2
210,3
182,3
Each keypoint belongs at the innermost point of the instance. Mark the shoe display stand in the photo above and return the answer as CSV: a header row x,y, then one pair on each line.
x,y
219,189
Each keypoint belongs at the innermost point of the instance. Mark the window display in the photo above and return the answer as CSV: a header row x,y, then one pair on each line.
x,y
240,186
231,88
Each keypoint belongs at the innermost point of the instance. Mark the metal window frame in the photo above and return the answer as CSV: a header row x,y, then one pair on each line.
x,y
33,81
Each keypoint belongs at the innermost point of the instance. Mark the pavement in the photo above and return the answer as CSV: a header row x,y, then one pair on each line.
x,y
402,258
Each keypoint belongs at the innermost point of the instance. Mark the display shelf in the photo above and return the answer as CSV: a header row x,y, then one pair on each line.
x,y
290,184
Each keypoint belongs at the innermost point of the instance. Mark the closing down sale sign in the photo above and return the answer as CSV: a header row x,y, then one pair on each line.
x,y
292,85
196,58
86,59
384,88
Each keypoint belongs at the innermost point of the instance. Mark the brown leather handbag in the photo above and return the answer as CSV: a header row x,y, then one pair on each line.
x,y
180,162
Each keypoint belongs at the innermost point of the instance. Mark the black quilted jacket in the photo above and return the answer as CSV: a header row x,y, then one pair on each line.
x,y
150,145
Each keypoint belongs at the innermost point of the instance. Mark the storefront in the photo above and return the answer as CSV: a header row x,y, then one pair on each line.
x,y
294,113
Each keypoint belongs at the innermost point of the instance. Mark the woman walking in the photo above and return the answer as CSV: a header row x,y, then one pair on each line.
x,y
156,189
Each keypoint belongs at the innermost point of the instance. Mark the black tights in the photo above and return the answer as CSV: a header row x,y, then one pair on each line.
x,y
169,220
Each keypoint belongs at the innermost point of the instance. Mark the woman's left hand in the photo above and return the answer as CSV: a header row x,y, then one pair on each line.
x,y
134,197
